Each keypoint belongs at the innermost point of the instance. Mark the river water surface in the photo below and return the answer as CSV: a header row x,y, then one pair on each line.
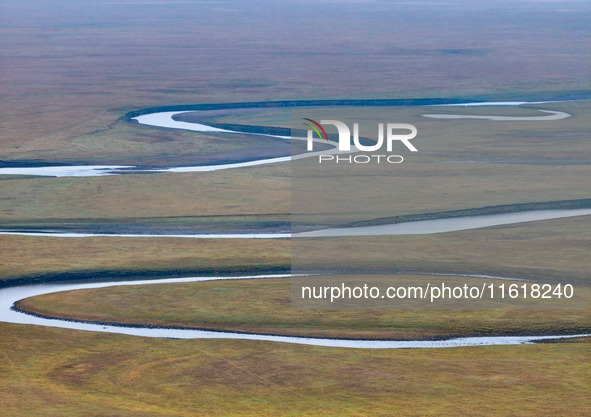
x,y
8,296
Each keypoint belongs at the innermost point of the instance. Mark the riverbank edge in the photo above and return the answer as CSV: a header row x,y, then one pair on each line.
x,y
480,211
584,203
566,332
114,275
299,103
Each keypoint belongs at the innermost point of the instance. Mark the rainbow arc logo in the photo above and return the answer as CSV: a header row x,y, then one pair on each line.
x,y
315,126
386,135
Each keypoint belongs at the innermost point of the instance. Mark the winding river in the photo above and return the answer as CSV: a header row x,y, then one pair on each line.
x,y
165,119
422,227
9,296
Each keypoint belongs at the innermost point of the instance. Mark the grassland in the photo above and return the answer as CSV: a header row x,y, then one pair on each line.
x,y
56,372
71,70
29,259
266,307
149,196
544,167
267,190
552,250
549,251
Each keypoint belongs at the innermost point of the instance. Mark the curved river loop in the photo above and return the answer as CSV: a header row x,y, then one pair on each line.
x,y
10,296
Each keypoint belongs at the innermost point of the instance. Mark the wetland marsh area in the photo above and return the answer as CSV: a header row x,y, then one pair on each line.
x,y
165,143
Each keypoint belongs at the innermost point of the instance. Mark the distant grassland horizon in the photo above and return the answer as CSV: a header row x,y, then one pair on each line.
x,y
72,70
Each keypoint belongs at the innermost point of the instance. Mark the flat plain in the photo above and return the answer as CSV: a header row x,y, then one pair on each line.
x,y
71,71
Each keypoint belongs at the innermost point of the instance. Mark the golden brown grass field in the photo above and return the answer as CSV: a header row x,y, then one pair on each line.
x,y
56,372
265,307
72,70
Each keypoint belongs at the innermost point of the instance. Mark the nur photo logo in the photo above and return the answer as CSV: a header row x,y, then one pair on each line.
x,y
388,135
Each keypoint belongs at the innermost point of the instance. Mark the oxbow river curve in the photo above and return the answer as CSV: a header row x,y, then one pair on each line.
x,y
165,119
